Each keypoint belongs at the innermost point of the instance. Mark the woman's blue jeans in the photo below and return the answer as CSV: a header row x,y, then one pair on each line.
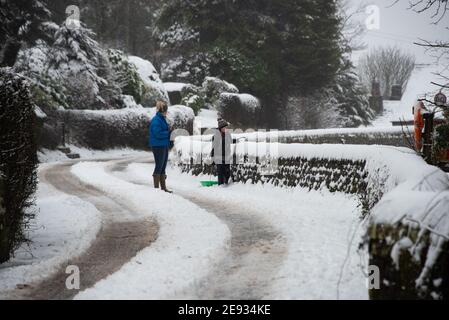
x,y
161,159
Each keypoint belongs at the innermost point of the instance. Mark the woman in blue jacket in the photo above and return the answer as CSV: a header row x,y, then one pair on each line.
x,y
160,143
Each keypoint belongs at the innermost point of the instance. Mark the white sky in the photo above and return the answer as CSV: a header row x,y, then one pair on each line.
x,y
401,26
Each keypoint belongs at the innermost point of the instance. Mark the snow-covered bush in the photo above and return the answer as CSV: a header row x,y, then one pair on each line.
x,y
214,87
406,199
77,59
108,129
190,69
194,101
155,89
73,72
18,161
126,75
242,110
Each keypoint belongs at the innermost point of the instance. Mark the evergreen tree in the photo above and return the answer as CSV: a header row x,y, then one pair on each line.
x,y
269,48
21,21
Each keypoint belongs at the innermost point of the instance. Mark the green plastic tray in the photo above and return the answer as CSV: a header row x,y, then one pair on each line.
x,y
209,183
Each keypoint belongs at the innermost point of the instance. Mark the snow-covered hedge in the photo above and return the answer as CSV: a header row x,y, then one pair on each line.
x,y
18,161
108,129
241,110
407,201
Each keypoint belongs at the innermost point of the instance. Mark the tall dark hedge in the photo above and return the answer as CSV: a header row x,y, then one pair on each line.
x,y
18,161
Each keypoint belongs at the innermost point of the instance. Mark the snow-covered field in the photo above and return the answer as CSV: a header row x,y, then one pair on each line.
x,y
418,86
64,227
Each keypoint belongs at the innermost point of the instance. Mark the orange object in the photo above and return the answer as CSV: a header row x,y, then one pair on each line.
x,y
419,124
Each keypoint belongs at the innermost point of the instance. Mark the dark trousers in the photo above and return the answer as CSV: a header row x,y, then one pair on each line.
x,y
161,159
224,173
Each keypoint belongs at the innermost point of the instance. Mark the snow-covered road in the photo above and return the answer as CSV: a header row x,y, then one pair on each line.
x,y
239,242
120,238
285,244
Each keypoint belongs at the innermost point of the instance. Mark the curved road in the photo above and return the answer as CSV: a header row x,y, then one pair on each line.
x,y
257,250
117,242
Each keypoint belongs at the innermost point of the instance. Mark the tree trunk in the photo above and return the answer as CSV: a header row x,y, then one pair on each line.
x,y
11,52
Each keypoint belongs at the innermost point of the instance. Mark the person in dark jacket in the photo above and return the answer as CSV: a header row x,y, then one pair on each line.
x,y
221,152
160,132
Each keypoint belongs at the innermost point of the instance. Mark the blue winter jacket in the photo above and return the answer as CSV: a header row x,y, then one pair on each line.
x,y
159,132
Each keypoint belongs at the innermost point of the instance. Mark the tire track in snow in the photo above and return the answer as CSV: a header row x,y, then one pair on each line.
x,y
257,251
117,242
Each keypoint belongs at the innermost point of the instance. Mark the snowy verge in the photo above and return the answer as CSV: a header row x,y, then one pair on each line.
x,y
64,228
190,241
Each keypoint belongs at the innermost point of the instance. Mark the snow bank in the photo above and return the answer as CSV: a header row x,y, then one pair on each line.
x,y
64,228
191,241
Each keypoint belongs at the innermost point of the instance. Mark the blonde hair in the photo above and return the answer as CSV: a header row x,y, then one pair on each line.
x,y
161,106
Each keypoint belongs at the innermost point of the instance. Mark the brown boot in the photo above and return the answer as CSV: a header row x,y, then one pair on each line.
x,y
163,184
157,180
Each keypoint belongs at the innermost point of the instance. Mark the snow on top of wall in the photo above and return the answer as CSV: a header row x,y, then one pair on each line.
x,y
274,136
174,86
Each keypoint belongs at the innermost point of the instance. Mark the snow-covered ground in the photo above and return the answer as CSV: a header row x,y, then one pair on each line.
x,y
418,86
322,230
64,227
51,156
